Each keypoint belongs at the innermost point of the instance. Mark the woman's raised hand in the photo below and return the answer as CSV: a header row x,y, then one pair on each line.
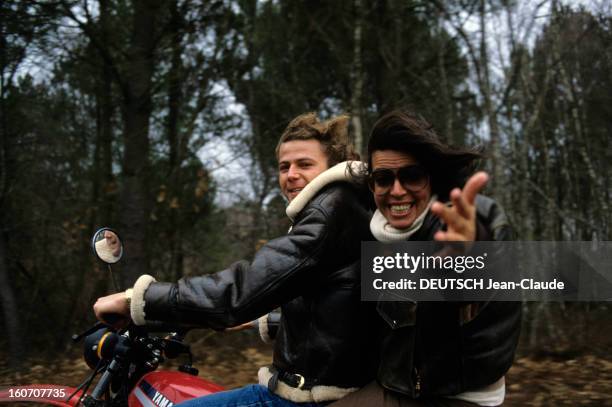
x,y
460,218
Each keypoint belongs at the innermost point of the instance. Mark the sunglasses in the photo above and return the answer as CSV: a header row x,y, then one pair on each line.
x,y
413,178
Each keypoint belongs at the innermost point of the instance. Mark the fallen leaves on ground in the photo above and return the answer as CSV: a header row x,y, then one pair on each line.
x,y
232,360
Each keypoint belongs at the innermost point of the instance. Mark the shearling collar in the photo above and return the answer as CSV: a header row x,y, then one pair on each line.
x,y
339,172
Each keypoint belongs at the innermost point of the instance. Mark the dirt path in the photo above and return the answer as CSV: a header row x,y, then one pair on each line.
x,y
232,359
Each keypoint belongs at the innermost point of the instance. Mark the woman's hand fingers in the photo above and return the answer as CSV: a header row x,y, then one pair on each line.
x,y
474,185
460,204
447,236
449,216
460,219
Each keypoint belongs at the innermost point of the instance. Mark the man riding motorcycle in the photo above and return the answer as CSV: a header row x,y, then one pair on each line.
x,y
312,273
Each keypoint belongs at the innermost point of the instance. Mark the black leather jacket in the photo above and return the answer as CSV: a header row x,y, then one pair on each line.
x,y
446,348
312,273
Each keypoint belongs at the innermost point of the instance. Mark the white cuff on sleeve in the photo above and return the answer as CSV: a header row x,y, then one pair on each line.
x,y
262,323
138,303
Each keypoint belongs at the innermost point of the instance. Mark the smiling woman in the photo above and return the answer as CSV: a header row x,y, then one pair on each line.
x,y
399,202
452,354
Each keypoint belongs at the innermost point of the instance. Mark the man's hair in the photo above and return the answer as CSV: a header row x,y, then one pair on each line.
x,y
332,134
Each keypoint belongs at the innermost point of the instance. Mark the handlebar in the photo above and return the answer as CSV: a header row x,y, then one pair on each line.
x,y
126,355
78,337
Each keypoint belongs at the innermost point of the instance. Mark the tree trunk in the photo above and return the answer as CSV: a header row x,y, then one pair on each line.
x,y
102,177
357,79
529,123
444,91
7,295
107,195
88,284
490,113
10,310
598,203
135,203
174,141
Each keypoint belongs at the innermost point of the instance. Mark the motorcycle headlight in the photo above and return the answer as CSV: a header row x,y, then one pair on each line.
x,y
99,345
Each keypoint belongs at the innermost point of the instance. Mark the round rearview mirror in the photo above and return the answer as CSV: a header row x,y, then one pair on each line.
x,y
107,245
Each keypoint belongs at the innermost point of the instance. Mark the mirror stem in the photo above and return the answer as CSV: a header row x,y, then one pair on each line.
x,y
115,285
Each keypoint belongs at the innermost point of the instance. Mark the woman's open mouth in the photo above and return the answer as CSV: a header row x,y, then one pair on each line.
x,y
401,209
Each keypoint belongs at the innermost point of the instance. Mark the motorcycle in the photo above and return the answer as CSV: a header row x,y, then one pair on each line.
x,y
126,360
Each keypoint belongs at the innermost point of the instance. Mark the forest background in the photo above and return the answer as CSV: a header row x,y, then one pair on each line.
x,y
160,117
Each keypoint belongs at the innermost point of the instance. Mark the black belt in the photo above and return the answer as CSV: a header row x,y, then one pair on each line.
x,y
294,380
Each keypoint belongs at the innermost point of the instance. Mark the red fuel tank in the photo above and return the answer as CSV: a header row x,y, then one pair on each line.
x,y
165,389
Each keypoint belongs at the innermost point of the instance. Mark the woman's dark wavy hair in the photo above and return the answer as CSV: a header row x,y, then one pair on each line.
x,y
405,131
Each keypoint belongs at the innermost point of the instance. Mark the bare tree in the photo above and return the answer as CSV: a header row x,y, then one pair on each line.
x,y
134,77
357,77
